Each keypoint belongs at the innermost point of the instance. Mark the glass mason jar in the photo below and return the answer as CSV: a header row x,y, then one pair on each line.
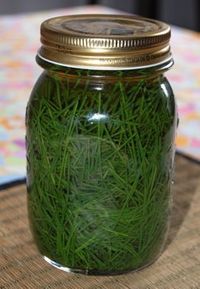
x,y
100,143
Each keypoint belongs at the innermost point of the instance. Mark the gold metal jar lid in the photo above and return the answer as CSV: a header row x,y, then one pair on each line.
x,y
111,42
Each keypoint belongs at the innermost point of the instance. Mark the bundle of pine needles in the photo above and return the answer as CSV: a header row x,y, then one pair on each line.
x,y
99,159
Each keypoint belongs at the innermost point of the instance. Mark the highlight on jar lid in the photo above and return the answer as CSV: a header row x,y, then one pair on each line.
x,y
96,41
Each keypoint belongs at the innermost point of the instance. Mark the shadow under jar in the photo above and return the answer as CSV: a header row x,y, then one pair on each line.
x,y
100,143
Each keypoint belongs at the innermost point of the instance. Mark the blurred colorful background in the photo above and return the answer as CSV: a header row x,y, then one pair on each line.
x,y
20,39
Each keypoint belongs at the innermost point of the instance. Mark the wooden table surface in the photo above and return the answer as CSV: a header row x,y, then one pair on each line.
x,y
21,266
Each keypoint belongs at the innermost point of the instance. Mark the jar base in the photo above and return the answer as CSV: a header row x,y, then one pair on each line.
x,y
94,272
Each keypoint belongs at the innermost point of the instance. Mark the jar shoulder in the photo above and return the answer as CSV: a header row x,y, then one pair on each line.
x,y
110,96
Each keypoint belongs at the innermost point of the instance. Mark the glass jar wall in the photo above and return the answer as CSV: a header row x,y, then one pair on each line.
x,y
100,149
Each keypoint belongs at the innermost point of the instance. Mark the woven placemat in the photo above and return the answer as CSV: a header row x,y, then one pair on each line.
x,y
178,268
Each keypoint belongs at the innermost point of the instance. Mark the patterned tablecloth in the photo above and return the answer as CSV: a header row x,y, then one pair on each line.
x,y
18,72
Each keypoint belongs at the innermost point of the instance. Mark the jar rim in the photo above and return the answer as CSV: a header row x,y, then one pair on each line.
x,y
158,67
